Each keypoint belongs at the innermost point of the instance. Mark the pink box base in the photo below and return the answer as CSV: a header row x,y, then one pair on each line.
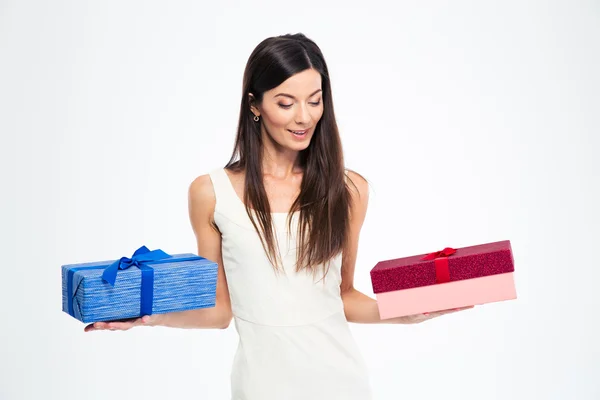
x,y
444,296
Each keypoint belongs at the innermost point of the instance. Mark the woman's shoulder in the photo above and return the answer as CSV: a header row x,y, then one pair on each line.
x,y
205,189
358,184
201,191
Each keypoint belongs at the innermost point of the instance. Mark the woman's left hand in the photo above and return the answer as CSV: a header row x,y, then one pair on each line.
x,y
415,319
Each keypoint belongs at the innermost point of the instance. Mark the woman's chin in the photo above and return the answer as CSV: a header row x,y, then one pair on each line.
x,y
299,146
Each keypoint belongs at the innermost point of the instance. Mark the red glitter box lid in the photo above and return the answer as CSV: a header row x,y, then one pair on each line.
x,y
467,263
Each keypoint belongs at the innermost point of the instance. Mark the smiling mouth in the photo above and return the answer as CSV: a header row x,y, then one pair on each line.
x,y
299,133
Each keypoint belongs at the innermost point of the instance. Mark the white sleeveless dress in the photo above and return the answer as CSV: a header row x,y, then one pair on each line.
x,y
294,340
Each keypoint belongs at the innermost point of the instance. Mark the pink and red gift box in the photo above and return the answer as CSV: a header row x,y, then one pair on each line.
x,y
443,280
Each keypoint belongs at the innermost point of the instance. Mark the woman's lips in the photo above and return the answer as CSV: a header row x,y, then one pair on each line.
x,y
298,132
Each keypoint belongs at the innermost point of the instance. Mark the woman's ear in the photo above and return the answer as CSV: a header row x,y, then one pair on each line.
x,y
253,106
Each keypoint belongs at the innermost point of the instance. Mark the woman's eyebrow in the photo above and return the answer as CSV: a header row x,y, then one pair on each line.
x,y
292,97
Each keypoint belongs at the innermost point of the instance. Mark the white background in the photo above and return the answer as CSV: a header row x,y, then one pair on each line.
x,y
473,121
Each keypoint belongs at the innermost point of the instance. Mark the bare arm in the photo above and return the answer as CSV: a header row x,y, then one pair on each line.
x,y
360,308
201,205
201,202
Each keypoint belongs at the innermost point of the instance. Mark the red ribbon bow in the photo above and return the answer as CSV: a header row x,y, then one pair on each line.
x,y
442,271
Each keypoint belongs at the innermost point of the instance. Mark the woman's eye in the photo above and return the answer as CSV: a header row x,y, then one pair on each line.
x,y
286,106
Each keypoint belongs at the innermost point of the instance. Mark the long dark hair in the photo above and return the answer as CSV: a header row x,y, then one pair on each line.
x,y
323,202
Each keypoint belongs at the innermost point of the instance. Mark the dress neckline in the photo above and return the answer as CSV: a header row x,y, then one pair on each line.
x,y
241,203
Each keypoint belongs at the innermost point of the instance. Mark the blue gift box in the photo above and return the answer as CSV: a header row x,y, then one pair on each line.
x,y
150,282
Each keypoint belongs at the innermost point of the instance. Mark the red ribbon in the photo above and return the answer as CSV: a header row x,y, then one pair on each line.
x,y
442,271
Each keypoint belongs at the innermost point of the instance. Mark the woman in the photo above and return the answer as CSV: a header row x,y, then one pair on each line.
x,y
282,219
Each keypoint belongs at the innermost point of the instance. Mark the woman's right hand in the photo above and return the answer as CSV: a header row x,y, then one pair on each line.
x,y
122,325
202,203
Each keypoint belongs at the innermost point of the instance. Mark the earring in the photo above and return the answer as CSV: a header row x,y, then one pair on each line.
x,y
256,118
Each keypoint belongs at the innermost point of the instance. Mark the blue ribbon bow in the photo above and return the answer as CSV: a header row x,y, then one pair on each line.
x,y
141,257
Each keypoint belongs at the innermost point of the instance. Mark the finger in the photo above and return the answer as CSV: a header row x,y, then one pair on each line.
x,y
435,314
125,325
461,308
96,326
126,319
452,310
100,325
120,326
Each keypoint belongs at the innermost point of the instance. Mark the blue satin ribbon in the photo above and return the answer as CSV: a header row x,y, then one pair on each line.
x,y
141,257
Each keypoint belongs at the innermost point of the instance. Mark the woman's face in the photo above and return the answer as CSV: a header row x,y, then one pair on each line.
x,y
290,112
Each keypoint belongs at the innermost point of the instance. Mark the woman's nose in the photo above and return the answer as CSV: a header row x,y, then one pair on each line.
x,y
302,116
